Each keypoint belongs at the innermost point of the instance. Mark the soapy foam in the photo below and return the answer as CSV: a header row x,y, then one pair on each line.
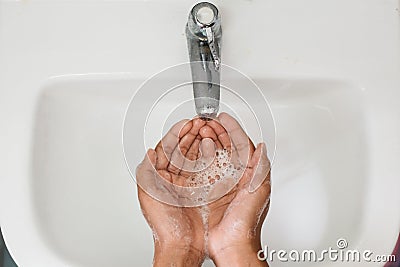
x,y
205,212
220,170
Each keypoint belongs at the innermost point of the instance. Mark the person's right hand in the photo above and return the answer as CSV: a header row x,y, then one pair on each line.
x,y
178,232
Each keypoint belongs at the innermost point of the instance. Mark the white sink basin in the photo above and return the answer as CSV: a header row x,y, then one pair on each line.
x,y
82,193
330,70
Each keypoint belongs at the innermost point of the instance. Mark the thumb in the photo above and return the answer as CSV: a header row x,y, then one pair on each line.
x,y
261,167
148,163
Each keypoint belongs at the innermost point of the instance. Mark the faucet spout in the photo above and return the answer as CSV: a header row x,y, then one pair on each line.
x,y
203,33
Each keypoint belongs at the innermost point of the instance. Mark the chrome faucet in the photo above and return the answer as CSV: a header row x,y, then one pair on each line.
x,y
203,33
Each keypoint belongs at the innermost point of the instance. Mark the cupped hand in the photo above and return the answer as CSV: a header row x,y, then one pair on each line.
x,y
235,220
178,232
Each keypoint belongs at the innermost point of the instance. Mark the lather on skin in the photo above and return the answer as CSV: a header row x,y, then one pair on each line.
x,y
234,221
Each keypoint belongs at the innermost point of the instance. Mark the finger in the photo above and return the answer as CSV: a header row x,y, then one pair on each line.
x,y
197,124
178,159
193,152
176,162
145,170
207,149
191,158
187,139
221,133
167,145
186,128
261,168
208,132
241,143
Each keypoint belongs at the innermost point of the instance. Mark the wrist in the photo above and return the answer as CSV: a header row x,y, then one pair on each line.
x,y
177,255
242,254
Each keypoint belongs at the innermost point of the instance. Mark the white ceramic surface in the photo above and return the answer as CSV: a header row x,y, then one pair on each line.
x,y
330,70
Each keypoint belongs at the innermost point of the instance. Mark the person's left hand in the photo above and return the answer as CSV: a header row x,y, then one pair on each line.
x,y
235,220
